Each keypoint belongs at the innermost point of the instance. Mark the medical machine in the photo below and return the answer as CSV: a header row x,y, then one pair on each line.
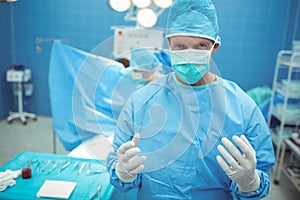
x,y
127,38
19,75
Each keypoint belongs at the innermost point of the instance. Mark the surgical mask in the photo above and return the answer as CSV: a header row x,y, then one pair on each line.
x,y
191,64
138,77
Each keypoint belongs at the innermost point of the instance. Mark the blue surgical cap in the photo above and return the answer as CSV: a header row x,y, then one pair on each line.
x,y
143,60
197,18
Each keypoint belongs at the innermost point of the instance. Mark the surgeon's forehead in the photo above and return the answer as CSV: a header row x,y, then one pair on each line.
x,y
189,40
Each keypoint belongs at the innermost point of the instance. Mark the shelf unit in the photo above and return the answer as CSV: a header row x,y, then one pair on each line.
x,y
295,154
286,82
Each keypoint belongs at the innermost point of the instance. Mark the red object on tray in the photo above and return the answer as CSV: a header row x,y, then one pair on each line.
x,y
26,173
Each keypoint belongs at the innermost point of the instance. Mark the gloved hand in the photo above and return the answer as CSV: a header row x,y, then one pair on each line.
x,y
129,162
242,166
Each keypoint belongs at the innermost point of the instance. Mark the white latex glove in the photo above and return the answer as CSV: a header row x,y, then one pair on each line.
x,y
241,168
129,162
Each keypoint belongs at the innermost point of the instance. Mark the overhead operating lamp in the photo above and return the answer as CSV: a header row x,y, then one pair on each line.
x,y
120,5
7,1
146,17
144,12
142,3
163,3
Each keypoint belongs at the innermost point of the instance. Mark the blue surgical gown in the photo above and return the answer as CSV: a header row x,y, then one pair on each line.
x,y
181,127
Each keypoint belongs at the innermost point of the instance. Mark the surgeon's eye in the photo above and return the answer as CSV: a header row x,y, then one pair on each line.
x,y
201,46
179,47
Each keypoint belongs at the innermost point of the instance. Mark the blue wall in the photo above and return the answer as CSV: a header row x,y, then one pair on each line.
x,y
252,31
5,59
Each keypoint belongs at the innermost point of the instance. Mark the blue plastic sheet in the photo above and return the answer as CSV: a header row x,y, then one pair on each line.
x,y
64,65
74,78
87,93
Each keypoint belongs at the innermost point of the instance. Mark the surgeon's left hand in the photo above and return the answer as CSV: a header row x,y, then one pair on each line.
x,y
242,166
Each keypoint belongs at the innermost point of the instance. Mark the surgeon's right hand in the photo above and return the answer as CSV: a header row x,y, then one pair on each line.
x,y
129,162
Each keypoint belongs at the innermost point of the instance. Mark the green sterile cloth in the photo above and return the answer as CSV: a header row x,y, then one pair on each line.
x,y
260,94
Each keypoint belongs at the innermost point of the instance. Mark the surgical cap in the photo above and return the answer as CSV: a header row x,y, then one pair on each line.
x,y
197,18
144,60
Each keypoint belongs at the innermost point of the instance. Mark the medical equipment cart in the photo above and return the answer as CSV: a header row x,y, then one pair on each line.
x,y
19,75
290,169
286,83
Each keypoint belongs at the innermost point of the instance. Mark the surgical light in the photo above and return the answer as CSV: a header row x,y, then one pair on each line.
x,y
120,5
7,1
146,17
163,3
144,12
142,3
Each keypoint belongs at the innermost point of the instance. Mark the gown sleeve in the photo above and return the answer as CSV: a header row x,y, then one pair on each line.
x,y
124,132
258,134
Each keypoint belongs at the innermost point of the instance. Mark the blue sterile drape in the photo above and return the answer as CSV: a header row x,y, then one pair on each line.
x,y
78,81
87,93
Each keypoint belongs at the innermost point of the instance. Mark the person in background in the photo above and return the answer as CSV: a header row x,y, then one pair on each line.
x,y
192,134
145,66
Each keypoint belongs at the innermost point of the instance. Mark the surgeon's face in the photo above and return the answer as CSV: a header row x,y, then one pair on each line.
x,y
187,42
145,75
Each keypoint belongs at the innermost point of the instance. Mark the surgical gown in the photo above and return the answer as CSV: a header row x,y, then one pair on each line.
x,y
180,128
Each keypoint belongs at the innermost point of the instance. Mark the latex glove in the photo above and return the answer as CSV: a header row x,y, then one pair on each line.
x,y
129,162
242,166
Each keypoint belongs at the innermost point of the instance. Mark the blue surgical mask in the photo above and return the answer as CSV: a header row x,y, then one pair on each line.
x,y
190,64
138,77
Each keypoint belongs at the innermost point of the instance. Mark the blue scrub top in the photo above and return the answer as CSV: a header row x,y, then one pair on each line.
x,y
181,127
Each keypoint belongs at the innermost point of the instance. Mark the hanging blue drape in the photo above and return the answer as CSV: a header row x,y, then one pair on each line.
x,y
76,80
87,93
